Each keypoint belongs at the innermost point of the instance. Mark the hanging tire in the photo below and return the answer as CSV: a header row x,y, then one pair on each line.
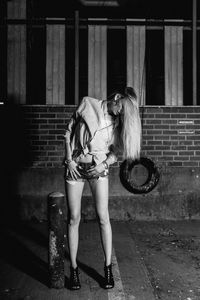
x,y
127,181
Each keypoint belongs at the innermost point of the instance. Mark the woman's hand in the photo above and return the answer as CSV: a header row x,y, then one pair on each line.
x,y
72,170
96,170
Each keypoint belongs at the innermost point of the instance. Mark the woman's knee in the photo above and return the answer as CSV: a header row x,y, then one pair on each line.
x,y
104,218
74,219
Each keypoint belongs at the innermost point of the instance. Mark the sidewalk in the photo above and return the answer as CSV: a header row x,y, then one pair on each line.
x,y
151,260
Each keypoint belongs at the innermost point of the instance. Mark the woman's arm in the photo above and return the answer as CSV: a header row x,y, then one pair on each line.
x,y
111,156
67,136
70,164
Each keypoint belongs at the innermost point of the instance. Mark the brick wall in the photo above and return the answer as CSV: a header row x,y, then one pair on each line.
x,y
171,135
32,154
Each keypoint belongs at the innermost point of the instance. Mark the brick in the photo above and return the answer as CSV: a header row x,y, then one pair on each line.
x,y
188,153
177,127
147,127
47,126
175,164
154,142
163,127
163,148
47,148
165,158
154,109
170,142
148,147
152,132
185,142
55,153
55,121
155,153
190,164
181,158
193,137
169,153
47,116
193,116
169,121
47,137
40,108
178,147
178,116
153,121
147,137
55,109
163,116
149,116
195,158
39,121
39,143
170,132
178,137
162,137
56,131
193,148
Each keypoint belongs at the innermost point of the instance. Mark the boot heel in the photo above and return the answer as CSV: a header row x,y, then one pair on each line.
x,y
74,279
109,281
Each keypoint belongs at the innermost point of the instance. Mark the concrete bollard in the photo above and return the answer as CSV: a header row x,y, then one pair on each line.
x,y
56,251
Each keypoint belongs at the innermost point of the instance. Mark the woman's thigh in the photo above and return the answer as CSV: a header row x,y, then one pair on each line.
x,y
74,191
99,190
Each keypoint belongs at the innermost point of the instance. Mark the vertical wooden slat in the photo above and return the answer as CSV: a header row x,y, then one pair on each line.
x,y
97,67
91,60
49,64
76,92
16,9
194,51
62,67
55,64
103,58
97,61
136,60
173,65
16,63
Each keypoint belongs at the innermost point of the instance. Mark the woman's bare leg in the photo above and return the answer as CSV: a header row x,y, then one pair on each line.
x,y
74,195
100,193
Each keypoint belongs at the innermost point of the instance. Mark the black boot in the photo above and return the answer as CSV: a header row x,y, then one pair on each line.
x,y
74,279
109,281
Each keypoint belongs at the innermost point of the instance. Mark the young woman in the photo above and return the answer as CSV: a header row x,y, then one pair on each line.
x,y
96,133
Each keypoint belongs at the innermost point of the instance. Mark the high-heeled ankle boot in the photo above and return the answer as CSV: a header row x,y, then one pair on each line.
x,y
74,279
109,281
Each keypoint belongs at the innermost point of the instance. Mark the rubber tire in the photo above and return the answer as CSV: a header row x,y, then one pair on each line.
x,y
125,175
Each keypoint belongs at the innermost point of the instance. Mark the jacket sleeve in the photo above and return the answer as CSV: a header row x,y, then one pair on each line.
x,y
71,125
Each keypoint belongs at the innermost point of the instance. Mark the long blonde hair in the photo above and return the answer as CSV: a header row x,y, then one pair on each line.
x,y
130,131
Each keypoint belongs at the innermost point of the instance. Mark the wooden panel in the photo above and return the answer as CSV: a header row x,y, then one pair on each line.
x,y
55,65
173,65
16,63
16,9
16,52
97,61
136,60
76,92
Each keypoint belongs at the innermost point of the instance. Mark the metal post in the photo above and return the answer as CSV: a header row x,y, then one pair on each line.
x,y
194,50
76,57
56,240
